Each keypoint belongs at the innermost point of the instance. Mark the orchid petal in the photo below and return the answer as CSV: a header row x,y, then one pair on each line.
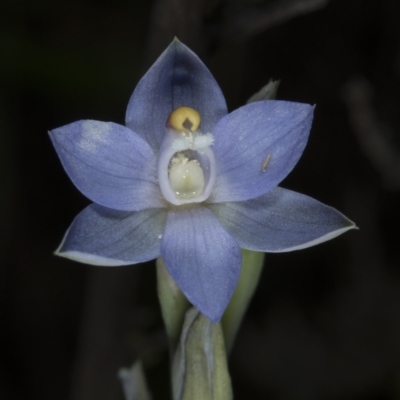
x,y
202,258
256,146
101,236
281,221
109,164
178,78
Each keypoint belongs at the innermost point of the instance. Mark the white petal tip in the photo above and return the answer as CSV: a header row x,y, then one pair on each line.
x,y
324,238
91,259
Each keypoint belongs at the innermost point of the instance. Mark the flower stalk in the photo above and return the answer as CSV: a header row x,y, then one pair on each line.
x,y
172,302
200,369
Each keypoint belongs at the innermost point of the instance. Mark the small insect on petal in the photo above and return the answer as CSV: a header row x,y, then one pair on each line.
x,y
184,119
265,163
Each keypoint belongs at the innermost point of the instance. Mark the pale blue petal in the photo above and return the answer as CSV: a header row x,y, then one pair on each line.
x,y
109,164
256,146
101,236
202,258
178,78
281,221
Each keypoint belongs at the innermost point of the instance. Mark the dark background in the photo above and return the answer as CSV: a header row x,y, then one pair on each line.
x,y
325,321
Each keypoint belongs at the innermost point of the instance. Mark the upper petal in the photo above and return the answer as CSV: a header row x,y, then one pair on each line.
x,y
202,258
256,146
281,220
109,164
178,78
101,236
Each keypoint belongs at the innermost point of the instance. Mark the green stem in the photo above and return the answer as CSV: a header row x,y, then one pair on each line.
x,y
252,263
173,303
200,368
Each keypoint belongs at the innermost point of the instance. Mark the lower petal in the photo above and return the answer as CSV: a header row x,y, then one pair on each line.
x,y
202,258
101,236
281,221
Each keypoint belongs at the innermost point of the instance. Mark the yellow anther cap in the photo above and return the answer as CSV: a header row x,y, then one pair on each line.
x,y
184,119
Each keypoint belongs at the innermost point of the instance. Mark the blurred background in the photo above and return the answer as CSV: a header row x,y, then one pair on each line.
x,y
325,321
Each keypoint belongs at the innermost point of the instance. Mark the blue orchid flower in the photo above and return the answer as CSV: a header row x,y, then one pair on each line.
x,y
189,182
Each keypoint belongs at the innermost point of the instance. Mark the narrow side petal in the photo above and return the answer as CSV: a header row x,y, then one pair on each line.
x,y
100,236
281,221
109,164
178,78
202,258
256,146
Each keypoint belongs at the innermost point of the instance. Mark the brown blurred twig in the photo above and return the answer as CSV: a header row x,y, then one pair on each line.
x,y
180,18
373,135
107,319
202,23
243,19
